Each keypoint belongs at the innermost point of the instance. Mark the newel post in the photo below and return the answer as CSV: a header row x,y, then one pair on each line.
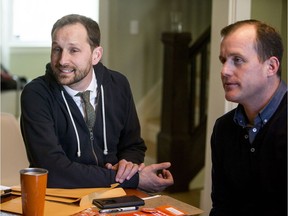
x,y
174,137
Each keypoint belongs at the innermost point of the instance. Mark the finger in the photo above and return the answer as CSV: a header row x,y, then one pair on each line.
x,y
121,169
167,174
161,166
124,168
115,167
165,165
130,170
141,166
168,178
133,171
108,165
160,175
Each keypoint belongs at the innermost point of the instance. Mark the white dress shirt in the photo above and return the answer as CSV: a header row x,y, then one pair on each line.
x,y
93,93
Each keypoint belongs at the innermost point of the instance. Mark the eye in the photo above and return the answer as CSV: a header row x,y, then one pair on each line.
x,y
56,49
237,60
74,50
222,59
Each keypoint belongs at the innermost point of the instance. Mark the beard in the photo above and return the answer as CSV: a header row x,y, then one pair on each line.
x,y
74,76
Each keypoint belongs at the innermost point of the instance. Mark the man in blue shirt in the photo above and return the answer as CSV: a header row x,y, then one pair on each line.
x,y
249,143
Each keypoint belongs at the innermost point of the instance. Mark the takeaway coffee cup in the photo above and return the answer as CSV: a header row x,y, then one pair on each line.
x,y
33,188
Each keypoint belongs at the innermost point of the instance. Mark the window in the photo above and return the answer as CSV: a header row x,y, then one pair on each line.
x,y
32,20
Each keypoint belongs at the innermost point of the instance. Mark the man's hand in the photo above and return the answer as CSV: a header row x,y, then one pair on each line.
x,y
125,169
151,181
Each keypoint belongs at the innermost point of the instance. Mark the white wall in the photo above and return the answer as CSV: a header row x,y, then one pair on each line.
x,y
274,13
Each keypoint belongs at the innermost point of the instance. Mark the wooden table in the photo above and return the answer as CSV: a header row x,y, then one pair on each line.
x,y
136,192
4,199
150,202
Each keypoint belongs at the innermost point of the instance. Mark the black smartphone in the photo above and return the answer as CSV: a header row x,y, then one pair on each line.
x,y
118,202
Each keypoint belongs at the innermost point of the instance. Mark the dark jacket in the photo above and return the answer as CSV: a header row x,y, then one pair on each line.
x,y
51,139
250,179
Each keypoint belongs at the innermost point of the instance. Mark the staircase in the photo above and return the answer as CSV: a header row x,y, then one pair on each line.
x,y
182,137
173,114
148,110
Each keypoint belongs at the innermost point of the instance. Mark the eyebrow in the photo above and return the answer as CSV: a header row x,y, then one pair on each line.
x,y
70,44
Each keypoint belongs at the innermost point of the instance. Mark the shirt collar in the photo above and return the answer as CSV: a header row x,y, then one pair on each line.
x,y
92,87
266,113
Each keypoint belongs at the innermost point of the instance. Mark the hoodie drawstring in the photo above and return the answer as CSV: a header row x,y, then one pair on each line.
x,y
105,152
74,126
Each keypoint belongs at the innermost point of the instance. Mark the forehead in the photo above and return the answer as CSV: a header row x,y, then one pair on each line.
x,y
71,29
240,40
245,33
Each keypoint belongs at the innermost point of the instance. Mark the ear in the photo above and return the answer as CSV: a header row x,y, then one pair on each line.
x,y
97,55
273,65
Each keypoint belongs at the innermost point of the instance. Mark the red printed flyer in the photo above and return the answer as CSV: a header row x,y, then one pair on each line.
x,y
165,210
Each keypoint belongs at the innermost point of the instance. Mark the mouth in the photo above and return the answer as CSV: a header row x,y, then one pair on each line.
x,y
230,85
66,70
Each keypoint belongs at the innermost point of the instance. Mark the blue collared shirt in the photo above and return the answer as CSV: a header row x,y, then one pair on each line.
x,y
263,116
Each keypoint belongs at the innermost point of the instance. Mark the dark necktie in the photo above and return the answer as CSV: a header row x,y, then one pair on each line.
x,y
89,110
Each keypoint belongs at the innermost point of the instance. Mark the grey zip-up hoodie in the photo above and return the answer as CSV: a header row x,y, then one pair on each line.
x,y
57,138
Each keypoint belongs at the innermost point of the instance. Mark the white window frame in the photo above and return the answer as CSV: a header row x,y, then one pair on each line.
x,y
48,18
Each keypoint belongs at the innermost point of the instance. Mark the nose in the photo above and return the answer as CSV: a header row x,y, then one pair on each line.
x,y
226,70
63,58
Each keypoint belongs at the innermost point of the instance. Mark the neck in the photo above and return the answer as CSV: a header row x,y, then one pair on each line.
x,y
253,108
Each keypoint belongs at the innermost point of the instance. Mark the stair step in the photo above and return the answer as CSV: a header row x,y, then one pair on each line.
x,y
152,129
149,134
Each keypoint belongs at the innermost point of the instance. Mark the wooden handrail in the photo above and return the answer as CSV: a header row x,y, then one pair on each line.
x,y
203,40
199,54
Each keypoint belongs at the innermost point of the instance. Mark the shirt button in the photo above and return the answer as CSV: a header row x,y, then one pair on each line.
x,y
252,149
246,136
254,130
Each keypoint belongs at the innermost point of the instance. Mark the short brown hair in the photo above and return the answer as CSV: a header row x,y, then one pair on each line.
x,y
268,41
92,27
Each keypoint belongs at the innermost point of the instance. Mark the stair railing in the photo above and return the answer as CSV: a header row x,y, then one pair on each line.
x,y
184,105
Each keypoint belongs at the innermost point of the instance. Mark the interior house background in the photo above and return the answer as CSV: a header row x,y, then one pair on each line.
x,y
139,55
